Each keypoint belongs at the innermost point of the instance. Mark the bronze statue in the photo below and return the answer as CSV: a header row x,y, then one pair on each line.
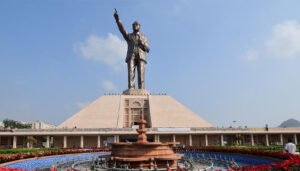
x,y
136,52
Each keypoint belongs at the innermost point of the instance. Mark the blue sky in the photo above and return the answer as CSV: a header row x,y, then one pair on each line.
x,y
225,60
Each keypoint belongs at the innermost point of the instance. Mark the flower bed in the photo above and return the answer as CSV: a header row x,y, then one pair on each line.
x,y
289,161
4,159
24,150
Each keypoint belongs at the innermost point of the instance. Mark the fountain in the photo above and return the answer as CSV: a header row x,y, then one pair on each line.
x,y
143,154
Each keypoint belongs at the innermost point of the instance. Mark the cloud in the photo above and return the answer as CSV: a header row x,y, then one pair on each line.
x,y
110,50
283,42
178,8
108,86
251,55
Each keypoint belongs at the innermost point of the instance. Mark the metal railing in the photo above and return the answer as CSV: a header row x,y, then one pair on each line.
x,y
117,129
149,130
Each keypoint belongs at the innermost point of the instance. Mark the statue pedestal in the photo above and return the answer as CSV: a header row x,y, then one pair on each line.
x,y
136,92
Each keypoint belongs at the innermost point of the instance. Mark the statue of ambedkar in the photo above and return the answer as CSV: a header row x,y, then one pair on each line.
x,y
136,52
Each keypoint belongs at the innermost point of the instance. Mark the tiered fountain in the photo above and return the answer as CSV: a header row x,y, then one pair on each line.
x,y
143,154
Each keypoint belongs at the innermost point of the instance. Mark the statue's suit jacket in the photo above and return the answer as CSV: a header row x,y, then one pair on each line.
x,y
134,48
137,43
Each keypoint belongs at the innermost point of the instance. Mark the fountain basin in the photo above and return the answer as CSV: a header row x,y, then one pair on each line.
x,y
146,155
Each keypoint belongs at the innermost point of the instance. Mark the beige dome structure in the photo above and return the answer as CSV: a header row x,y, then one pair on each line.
x,y
123,111
114,118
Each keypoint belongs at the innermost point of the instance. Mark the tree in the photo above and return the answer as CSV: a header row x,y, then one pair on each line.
x,y
12,124
31,141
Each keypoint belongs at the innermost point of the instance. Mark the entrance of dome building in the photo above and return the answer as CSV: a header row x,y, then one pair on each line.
x,y
135,113
133,108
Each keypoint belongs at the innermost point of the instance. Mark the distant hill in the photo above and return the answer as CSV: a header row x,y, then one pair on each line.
x,y
290,123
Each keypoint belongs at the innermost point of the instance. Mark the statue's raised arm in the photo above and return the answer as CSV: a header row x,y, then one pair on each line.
x,y
120,25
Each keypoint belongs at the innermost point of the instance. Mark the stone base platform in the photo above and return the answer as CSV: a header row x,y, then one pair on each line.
x,y
115,111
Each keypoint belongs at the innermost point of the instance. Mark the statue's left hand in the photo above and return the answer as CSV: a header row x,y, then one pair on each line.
x,y
145,48
142,44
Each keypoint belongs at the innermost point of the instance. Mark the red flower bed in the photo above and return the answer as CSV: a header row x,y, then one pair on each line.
x,y
290,162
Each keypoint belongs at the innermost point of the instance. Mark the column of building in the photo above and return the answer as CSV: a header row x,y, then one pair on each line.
x,y
65,142
116,138
156,138
174,140
267,140
27,142
98,141
14,141
47,141
281,139
81,141
206,140
222,140
252,140
190,140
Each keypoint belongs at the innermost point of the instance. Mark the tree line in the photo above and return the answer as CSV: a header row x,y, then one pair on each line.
x,y
12,124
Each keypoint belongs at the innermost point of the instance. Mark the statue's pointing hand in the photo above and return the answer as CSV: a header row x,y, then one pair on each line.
x,y
116,15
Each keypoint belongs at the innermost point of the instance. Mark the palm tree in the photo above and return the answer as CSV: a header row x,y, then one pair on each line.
x,y
31,141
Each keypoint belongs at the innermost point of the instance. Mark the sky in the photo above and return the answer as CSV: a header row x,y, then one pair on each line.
x,y
234,63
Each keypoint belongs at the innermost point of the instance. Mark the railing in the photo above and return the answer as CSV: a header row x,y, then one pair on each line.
x,y
213,161
76,130
149,130
117,129
82,165
186,163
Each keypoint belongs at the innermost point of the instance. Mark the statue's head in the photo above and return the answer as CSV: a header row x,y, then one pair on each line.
x,y
136,26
